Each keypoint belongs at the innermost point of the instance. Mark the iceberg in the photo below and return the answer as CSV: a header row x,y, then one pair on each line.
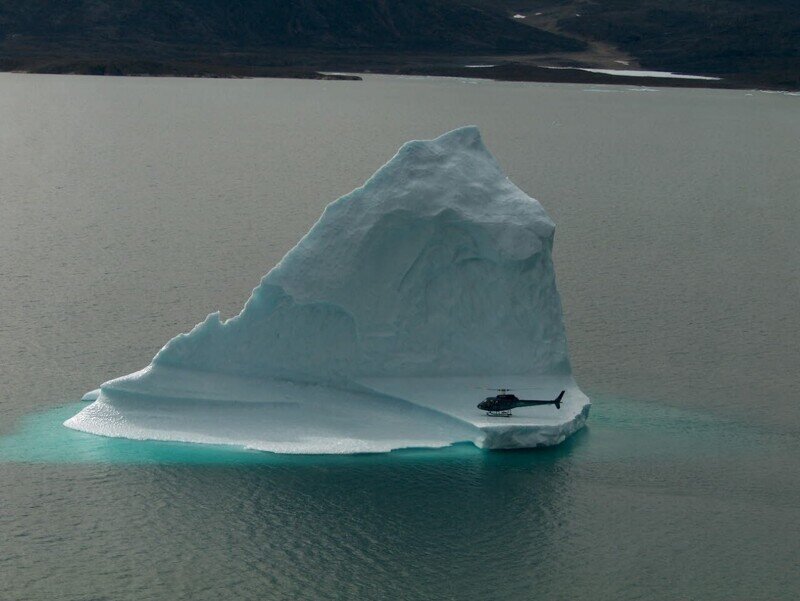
x,y
379,329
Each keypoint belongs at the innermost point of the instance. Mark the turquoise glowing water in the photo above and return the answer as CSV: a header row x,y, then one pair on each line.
x,y
620,429
130,208
648,502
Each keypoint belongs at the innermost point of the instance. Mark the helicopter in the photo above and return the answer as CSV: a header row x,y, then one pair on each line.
x,y
502,404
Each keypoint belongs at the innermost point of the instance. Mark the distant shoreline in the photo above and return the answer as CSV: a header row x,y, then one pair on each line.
x,y
339,68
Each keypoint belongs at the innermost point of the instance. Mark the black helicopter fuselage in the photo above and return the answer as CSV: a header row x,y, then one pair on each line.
x,y
506,402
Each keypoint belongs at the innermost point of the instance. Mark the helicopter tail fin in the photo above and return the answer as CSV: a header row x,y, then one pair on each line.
x,y
557,400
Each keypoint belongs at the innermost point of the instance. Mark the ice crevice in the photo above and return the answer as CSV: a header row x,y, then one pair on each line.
x,y
378,329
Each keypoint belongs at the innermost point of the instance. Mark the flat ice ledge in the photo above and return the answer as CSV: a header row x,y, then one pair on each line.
x,y
527,427
173,404
375,415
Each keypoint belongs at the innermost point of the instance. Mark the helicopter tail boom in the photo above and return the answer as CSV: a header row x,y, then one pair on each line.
x,y
556,401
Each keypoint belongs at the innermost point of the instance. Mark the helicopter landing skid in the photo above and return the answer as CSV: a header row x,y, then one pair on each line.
x,y
498,413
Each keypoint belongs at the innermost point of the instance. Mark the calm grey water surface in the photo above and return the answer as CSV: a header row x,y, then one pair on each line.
x,y
130,208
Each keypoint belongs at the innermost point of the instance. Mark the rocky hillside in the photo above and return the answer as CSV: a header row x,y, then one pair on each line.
x,y
749,43
750,40
383,25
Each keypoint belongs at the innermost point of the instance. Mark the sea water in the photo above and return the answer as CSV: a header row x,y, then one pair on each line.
x,y
130,208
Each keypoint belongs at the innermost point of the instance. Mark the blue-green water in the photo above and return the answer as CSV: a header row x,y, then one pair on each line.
x,y
620,429
646,503
130,208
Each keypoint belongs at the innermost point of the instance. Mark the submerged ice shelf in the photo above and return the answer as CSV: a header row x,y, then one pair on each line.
x,y
433,279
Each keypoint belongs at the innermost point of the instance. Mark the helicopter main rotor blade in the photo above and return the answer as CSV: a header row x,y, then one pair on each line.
x,y
506,389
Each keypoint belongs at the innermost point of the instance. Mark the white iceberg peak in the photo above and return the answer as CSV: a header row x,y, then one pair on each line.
x,y
437,267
